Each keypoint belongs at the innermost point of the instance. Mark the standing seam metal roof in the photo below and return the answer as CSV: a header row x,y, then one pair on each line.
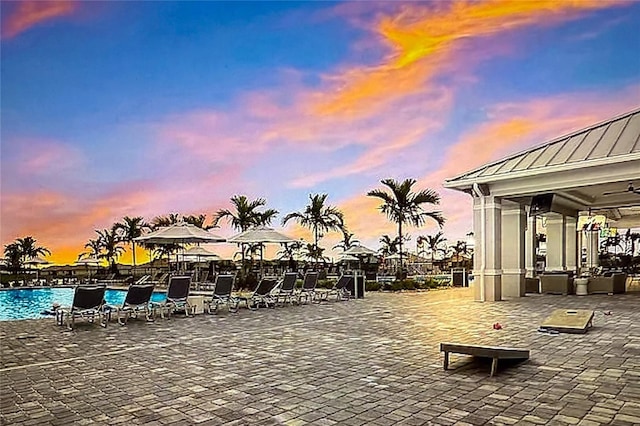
x,y
617,136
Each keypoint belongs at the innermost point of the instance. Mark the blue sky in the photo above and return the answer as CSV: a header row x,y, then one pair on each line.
x,y
147,108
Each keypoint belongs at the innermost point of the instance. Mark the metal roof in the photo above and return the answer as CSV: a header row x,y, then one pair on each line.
x,y
616,137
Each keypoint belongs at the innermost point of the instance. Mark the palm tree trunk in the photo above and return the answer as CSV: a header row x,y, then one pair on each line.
x,y
315,239
244,267
400,248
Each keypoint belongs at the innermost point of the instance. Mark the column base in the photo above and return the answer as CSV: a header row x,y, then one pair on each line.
x,y
513,284
492,288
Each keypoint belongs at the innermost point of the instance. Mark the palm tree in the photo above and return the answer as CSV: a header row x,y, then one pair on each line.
x,y
161,221
314,252
245,216
389,245
13,257
459,248
434,244
129,229
266,217
317,216
403,206
110,247
94,246
30,249
246,213
288,251
194,220
347,241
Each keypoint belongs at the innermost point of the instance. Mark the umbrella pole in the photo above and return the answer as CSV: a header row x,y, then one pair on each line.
x,y
198,268
261,249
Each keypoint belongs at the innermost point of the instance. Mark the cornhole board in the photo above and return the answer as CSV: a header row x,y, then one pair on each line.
x,y
569,321
493,352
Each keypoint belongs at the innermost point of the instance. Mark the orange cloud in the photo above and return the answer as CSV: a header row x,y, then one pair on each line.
x,y
375,112
30,13
508,129
424,41
511,128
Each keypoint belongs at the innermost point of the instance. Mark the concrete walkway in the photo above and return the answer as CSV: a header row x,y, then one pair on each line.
x,y
369,362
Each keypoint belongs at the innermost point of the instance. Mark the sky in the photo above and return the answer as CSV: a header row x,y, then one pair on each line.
x,y
147,108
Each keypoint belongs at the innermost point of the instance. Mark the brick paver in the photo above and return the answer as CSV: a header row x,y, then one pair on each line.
x,y
368,362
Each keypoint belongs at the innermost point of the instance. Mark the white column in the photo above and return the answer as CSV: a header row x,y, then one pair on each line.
x,y
555,242
571,243
580,236
514,220
531,243
592,243
487,267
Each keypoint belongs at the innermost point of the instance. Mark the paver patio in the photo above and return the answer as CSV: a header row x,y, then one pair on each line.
x,y
368,362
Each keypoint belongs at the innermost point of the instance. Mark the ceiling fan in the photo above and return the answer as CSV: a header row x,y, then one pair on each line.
x,y
630,188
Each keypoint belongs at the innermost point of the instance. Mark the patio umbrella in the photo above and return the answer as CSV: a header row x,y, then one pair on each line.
x,y
347,258
360,251
261,235
180,233
196,254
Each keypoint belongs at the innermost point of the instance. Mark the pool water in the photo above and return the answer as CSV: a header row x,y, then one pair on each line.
x,y
17,304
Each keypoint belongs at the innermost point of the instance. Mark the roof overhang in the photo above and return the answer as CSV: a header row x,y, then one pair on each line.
x,y
578,184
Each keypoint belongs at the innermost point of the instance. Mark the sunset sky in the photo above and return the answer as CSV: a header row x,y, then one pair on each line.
x,y
148,108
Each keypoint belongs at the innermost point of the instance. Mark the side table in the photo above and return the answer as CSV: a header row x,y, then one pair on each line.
x,y
582,286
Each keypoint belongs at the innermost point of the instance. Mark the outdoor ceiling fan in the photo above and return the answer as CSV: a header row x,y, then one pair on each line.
x,y
630,188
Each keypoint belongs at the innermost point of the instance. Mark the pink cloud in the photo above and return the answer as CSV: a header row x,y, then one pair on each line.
x,y
365,119
356,107
509,128
512,127
42,157
29,13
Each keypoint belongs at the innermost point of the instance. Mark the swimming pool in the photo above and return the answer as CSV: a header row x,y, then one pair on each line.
x,y
28,303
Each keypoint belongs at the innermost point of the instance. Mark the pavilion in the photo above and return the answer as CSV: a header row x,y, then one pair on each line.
x,y
595,170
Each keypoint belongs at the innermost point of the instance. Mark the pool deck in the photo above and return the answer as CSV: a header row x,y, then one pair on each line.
x,y
368,362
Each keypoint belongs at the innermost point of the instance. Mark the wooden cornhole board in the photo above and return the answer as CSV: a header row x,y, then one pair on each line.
x,y
493,352
569,321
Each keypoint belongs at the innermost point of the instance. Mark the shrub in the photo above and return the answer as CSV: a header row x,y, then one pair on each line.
x,y
325,283
373,286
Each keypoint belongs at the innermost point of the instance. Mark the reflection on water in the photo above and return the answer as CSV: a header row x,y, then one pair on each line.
x,y
18,304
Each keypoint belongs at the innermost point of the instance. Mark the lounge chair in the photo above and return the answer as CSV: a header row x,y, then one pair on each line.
x,y
308,290
222,295
177,297
159,281
88,304
284,291
261,295
339,289
143,280
138,299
